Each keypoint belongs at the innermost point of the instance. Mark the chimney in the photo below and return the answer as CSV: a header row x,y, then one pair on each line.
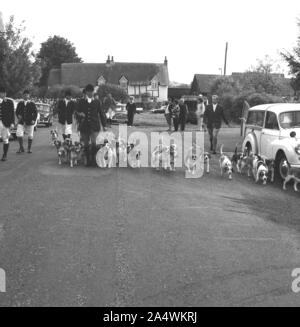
x,y
166,61
112,60
108,59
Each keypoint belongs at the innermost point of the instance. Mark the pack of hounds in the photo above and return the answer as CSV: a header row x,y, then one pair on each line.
x,y
111,152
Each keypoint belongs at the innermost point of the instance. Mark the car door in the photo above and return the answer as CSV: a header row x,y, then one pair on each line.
x,y
269,133
254,126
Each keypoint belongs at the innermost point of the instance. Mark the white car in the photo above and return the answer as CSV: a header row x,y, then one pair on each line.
x,y
273,132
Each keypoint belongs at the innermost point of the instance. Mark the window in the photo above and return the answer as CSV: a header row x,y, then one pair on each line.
x,y
271,121
290,119
123,82
101,80
154,85
256,118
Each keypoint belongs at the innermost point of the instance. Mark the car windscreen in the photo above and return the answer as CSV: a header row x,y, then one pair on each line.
x,y
289,119
43,108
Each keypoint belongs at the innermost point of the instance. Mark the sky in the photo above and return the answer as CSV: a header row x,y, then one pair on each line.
x,y
191,33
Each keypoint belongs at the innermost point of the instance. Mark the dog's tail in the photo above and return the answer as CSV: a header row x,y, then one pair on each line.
x,y
236,149
221,149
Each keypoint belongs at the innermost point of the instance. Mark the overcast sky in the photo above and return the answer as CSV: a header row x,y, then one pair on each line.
x,y
191,33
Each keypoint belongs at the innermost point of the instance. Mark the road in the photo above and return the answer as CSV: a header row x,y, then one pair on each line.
x,y
127,237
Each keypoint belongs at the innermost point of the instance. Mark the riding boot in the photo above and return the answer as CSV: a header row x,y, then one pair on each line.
x,y
87,156
21,147
29,146
215,142
64,136
5,150
93,155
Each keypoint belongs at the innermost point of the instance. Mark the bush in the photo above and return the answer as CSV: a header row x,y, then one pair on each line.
x,y
233,104
262,98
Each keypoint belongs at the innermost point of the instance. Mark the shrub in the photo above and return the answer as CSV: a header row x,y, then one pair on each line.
x,y
233,104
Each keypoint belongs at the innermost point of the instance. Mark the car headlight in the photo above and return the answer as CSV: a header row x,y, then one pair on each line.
x,y
297,149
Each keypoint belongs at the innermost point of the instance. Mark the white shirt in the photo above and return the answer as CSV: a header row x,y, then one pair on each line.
x,y
67,101
214,107
89,100
1,100
200,108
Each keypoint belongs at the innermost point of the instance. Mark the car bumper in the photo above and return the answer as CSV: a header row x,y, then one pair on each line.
x,y
295,166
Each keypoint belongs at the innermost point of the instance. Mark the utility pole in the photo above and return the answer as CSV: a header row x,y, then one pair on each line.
x,y
225,62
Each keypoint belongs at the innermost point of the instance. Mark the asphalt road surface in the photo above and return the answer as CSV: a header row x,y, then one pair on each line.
x,y
127,237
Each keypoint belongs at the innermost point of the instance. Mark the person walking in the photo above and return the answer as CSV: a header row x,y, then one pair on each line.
x,y
89,113
131,110
27,114
213,116
168,114
200,112
183,112
65,110
7,120
175,115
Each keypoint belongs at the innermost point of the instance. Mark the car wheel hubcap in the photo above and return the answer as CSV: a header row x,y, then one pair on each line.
x,y
283,168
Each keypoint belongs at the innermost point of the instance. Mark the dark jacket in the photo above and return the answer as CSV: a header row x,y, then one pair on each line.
x,y
88,114
65,112
7,112
27,113
131,108
183,110
213,119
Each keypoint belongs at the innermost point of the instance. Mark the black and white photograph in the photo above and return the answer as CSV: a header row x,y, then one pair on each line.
x,y
149,156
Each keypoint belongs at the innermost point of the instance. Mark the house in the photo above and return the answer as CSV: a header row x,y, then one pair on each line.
x,y
137,79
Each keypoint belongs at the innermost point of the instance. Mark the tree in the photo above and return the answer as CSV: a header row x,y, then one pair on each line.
x,y
55,51
293,61
264,77
225,84
18,69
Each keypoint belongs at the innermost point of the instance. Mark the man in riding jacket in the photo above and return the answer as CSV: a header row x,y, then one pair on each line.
x,y
65,110
89,113
26,115
7,120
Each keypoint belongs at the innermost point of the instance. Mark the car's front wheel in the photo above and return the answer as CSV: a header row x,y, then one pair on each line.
x,y
248,149
282,166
